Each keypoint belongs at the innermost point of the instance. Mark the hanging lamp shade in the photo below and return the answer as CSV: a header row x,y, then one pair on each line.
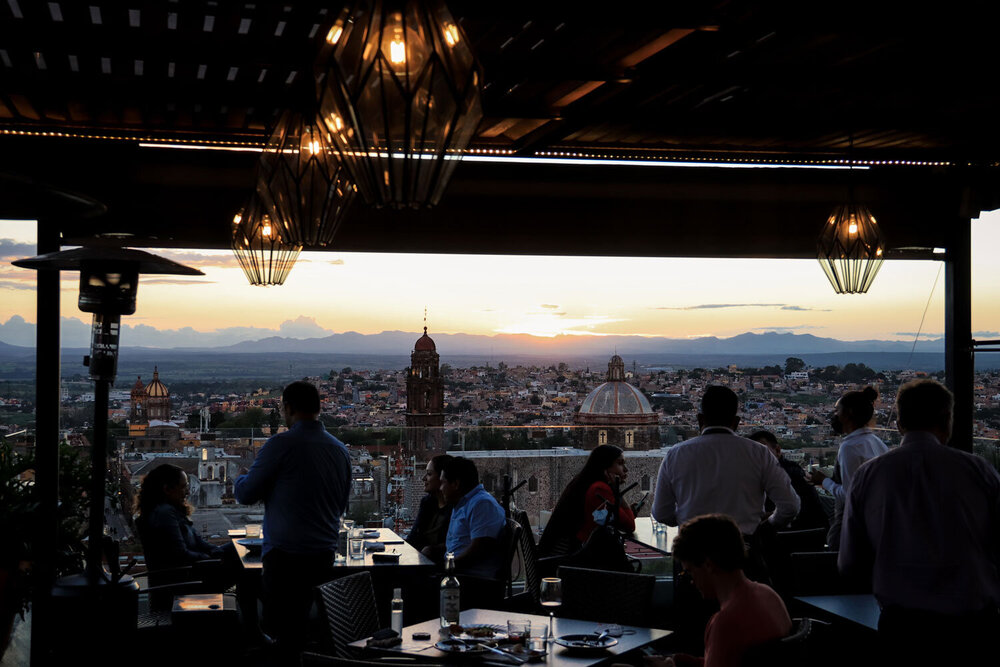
x,y
400,97
851,249
301,181
259,245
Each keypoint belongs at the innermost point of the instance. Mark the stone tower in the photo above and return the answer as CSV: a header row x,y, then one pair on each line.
x,y
424,400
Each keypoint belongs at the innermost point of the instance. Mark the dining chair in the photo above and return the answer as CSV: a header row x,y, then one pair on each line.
x,y
529,599
606,596
311,659
351,614
789,651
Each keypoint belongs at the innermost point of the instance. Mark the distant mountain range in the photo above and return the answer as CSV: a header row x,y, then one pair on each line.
x,y
401,343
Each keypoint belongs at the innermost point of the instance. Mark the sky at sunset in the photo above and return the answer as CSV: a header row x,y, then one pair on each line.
x,y
365,292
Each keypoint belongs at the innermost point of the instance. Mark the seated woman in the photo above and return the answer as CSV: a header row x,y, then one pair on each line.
x,y
711,551
434,515
590,499
168,536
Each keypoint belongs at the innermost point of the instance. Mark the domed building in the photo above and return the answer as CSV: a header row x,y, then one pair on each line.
x,y
157,399
617,413
424,399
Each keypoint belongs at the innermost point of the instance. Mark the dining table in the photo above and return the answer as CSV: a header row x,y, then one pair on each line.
x,y
410,571
630,638
861,611
645,534
410,560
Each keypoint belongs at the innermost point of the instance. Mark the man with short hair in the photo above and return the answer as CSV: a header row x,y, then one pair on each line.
x,y
477,520
811,513
303,476
721,472
922,524
710,548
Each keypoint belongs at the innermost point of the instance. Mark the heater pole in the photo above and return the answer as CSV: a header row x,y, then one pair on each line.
x,y
98,480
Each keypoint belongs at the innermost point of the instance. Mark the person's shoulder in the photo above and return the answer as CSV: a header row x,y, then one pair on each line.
x,y
598,487
164,513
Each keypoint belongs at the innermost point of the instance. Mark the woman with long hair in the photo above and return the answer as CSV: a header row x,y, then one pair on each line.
x,y
434,514
168,536
589,500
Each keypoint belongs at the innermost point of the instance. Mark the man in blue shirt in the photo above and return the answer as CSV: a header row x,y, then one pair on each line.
x,y
477,522
303,476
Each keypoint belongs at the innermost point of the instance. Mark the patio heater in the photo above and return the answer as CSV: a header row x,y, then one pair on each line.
x,y
109,280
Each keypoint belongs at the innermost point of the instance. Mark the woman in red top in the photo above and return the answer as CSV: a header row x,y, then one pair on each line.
x,y
587,502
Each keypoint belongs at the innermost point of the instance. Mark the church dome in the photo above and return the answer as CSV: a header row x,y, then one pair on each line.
x,y
156,389
616,398
425,343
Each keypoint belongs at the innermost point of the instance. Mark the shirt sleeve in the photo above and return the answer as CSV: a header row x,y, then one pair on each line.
x,y
778,487
857,555
664,501
254,486
486,520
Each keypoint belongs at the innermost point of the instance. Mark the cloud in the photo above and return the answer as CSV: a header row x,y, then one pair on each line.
x,y
713,306
549,306
201,259
336,262
822,310
175,281
17,284
986,334
10,249
911,334
302,327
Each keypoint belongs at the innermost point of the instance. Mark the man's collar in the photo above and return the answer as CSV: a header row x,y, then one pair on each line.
x,y
709,430
473,491
920,438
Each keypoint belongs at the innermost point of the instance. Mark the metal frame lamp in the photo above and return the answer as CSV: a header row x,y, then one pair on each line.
x,y
851,249
109,280
301,181
401,97
264,255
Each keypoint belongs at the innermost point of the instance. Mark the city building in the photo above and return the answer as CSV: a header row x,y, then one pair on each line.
x,y
424,400
617,413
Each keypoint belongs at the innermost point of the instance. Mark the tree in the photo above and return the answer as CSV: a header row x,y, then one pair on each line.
x,y
794,364
346,371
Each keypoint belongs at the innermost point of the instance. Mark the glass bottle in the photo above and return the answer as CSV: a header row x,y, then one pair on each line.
x,y
450,592
397,611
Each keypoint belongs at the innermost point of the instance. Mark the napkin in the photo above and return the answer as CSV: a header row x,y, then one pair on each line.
x,y
371,533
373,545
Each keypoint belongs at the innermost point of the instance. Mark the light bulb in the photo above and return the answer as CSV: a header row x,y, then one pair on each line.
x,y
451,34
336,31
852,228
237,218
265,231
397,50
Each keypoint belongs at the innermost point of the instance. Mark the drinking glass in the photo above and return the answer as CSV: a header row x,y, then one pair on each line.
x,y
253,529
551,597
356,544
518,631
538,638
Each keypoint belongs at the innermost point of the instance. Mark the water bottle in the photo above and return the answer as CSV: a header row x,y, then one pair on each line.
x,y
450,593
397,611
342,535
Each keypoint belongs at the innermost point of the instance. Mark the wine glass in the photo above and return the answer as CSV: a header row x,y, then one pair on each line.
x,y
551,596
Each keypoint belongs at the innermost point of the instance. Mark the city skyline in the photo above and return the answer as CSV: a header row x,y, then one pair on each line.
x,y
536,295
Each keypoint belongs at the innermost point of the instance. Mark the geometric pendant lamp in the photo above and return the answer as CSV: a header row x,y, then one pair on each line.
x,y
300,179
400,96
851,249
259,245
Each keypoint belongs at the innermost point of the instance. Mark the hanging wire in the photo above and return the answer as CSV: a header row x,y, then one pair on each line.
x,y
920,328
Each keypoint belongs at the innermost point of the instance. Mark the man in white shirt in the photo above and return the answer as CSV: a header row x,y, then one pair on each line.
x,y
720,472
853,414
922,525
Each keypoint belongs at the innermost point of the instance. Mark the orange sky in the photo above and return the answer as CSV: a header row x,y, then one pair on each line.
x,y
368,293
